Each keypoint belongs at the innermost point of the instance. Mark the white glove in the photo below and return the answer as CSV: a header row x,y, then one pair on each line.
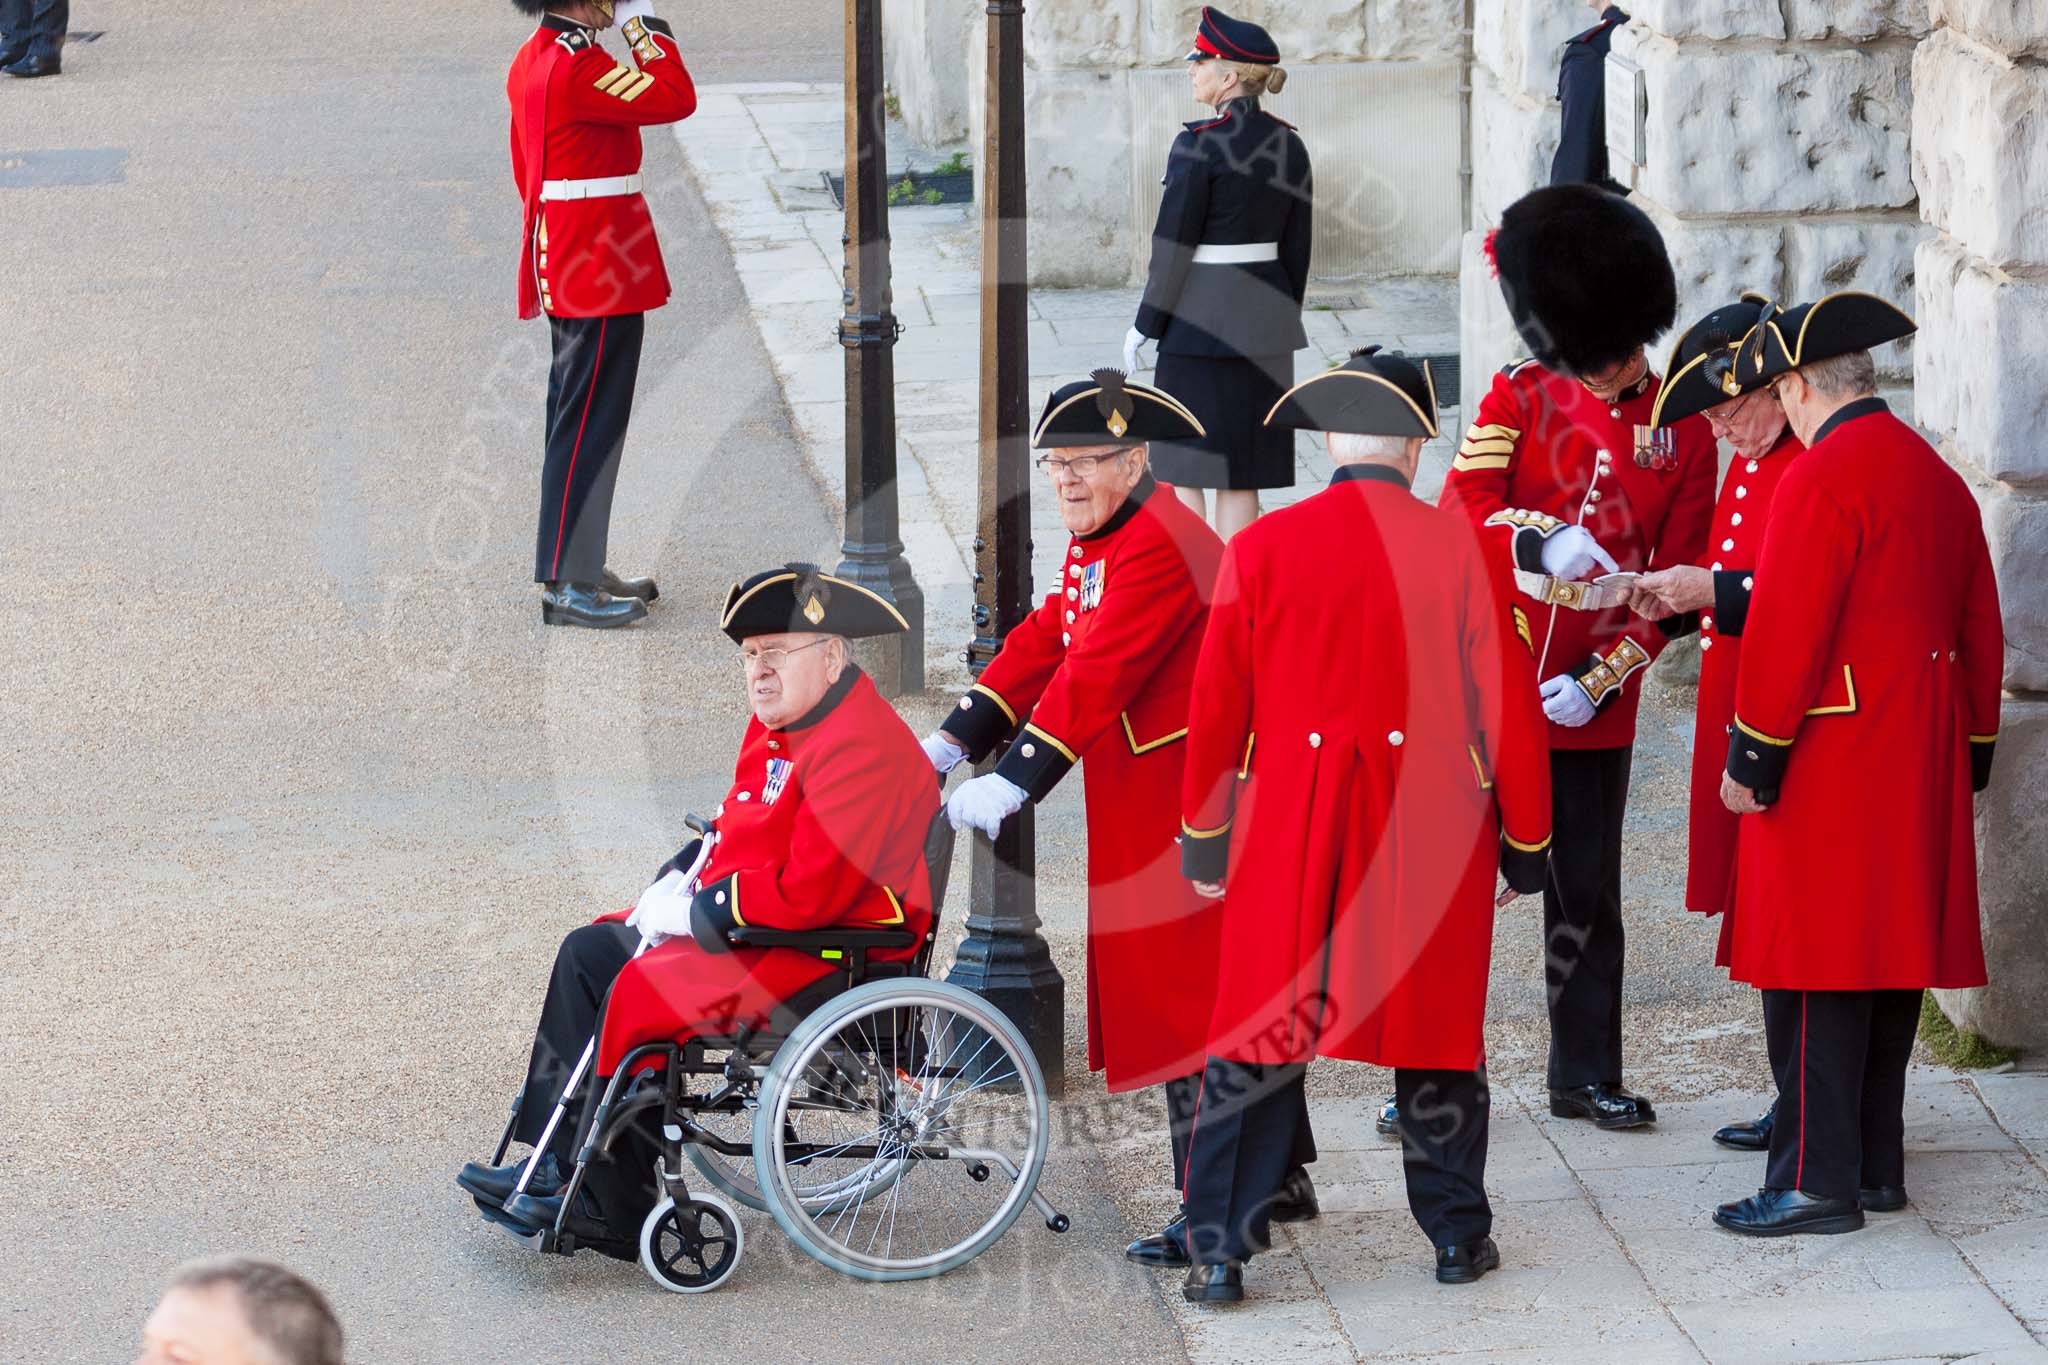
x,y
943,752
1566,703
632,9
1572,553
984,802
1134,345
663,910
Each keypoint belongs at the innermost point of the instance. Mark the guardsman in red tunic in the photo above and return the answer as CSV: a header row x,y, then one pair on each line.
x,y
1712,597
1365,750
824,825
1865,712
1099,674
1565,476
588,258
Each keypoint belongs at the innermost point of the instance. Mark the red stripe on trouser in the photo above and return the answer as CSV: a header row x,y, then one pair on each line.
x,y
569,480
1193,1123
1799,1171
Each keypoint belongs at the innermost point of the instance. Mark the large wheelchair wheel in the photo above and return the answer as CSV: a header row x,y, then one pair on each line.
x,y
919,1107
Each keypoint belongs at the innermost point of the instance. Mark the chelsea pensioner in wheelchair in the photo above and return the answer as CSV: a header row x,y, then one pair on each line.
x,y
762,1015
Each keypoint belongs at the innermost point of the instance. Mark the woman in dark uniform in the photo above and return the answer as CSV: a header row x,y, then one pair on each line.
x,y
1230,263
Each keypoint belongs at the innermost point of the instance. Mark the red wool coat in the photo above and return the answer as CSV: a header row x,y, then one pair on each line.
x,y
1100,674
1365,727
1868,699
1533,461
1740,519
825,824
577,115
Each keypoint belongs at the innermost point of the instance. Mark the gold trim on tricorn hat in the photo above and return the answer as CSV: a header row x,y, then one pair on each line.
x,y
1835,325
1121,413
1701,372
1368,395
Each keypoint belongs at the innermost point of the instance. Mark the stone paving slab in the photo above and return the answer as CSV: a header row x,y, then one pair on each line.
x,y
1608,1246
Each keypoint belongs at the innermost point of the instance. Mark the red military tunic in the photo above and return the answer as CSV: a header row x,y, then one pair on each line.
x,y
1740,518
1100,673
1365,728
577,115
1868,698
1545,453
825,824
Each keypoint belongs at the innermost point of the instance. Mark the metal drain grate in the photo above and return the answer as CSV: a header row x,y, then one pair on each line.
x,y
1446,370
913,189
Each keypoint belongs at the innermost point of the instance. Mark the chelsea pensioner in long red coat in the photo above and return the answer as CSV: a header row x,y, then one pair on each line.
x,y
1100,674
1365,741
577,115
1868,698
824,825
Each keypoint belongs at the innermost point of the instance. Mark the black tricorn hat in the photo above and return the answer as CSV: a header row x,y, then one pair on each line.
x,y
1701,373
1106,409
1585,275
1821,330
800,598
1369,394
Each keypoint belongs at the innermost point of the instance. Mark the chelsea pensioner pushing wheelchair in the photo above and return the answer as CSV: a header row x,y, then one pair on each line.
x,y
763,1012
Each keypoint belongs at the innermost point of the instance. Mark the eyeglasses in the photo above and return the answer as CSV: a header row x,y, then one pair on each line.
x,y
774,659
1080,466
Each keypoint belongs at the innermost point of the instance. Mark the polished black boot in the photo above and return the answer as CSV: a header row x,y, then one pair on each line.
x,y
1296,1202
1781,1213
1467,1261
642,588
1608,1106
1163,1250
494,1184
1214,1283
1388,1124
580,604
34,66
538,1212
1749,1137
1881,1198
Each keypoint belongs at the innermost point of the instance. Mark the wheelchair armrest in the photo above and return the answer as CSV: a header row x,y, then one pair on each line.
x,y
822,941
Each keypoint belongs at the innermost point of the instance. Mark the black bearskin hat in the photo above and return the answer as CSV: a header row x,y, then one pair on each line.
x,y
1585,275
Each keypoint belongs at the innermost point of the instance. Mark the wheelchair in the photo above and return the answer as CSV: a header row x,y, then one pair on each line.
x,y
895,1133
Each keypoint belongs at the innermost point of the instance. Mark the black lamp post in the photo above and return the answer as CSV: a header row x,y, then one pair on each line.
x,y
1003,957
872,555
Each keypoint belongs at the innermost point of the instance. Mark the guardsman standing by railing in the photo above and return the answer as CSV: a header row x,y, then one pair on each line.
x,y
588,259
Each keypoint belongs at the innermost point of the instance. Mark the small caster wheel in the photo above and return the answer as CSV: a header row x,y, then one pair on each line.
x,y
978,1172
693,1247
1058,1222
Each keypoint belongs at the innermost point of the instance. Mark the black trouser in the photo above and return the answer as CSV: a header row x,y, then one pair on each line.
x,y
1250,1131
590,399
1184,1095
34,28
1583,939
1445,1116
586,964
1840,1058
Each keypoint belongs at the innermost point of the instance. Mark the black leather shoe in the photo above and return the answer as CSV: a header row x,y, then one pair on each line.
x,y
579,604
35,66
537,1212
1781,1213
1881,1198
1296,1202
1466,1262
1749,1137
10,55
642,588
1165,1250
1609,1106
1388,1124
1214,1283
494,1184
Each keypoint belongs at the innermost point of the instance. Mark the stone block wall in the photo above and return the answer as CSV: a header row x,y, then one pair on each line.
x,y
1778,144
1980,160
1104,95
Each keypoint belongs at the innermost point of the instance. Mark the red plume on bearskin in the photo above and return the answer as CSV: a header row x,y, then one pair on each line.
x,y
1492,261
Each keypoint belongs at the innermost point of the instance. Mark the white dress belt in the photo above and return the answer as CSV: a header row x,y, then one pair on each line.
x,y
1244,253
604,187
